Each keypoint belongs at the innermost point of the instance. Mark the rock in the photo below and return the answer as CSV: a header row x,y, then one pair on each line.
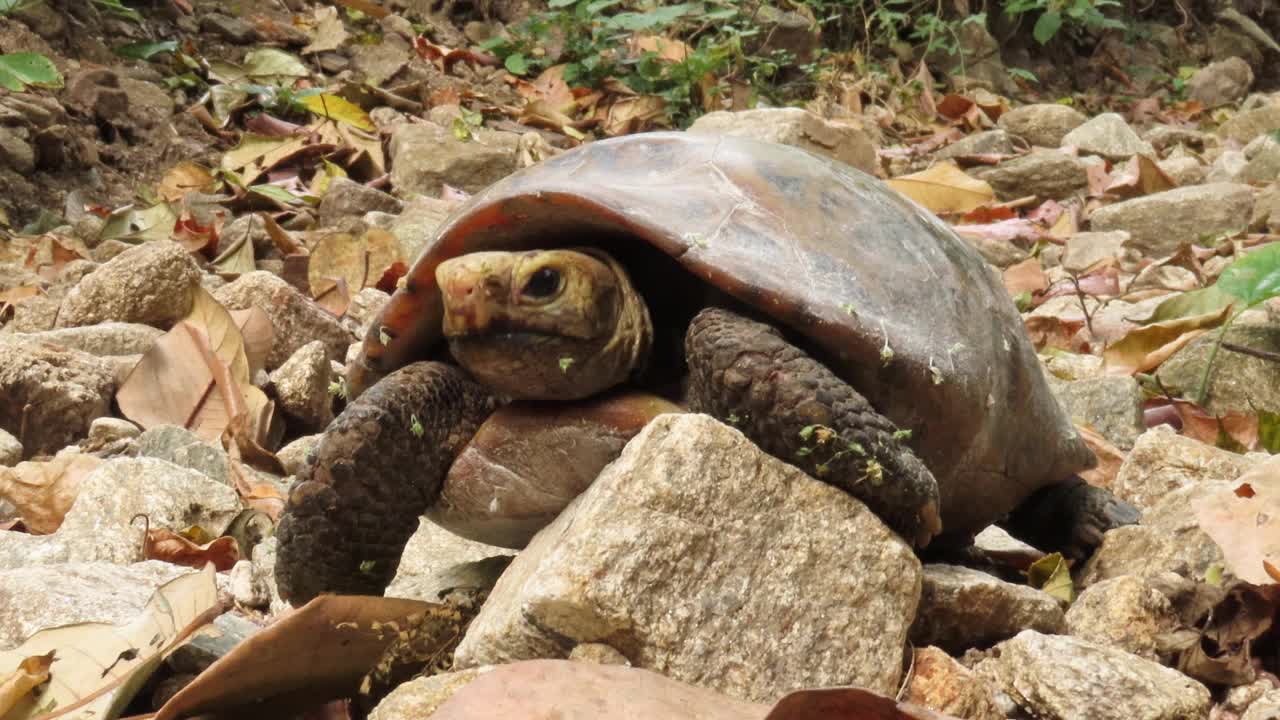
x,y
1266,210
1111,405
421,697
15,150
563,690
991,142
1266,707
198,653
426,156
598,653
1184,170
184,448
1125,613
1227,167
845,141
100,527
1042,124
1167,539
229,28
295,453
1262,156
692,535
1249,124
1162,461
1220,83
962,608
380,62
108,430
47,596
1086,248
152,284
1046,174
433,555
1162,222
247,586
1164,137
363,310
784,31
297,319
347,198
104,339
10,450
975,63
1238,382
1055,676
1110,136
264,559
417,224
51,394
301,385
940,683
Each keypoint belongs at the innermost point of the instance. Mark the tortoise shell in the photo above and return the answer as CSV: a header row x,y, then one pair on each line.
x,y
880,289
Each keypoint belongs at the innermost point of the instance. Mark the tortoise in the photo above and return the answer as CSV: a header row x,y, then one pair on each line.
x,y
841,327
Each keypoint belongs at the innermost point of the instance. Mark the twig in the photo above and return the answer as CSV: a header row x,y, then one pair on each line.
x,y
1088,319
1254,352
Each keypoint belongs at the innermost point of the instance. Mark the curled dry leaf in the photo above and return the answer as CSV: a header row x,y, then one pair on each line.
x,y
628,115
31,673
168,546
944,188
1247,529
1110,458
98,668
43,492
1140,176
1144,348
341,637
345,265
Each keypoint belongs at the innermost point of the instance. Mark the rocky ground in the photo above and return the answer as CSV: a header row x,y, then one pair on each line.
x,y
186,268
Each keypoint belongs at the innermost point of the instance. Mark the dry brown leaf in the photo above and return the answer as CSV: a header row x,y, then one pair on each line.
x,y
48,254
667,49
628,115
168,546
340,261
330,32
43,492
1247,529
100,667
258,334
283,240
1025,277
1052,331
944,188
1019,232
30,674
1144,348
1210,428
185,177
549,87
237,259
341,638
1110,458
1140,176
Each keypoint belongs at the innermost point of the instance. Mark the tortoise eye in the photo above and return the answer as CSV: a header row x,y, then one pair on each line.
x,y
543,283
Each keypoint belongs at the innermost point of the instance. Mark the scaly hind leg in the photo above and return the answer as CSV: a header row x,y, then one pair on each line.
x,y
744,373
1069,517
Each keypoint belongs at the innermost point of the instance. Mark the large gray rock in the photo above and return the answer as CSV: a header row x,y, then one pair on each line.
x,y
345,198
417,224
1084,249
297,319
698,556
1158,224
1042,124
99,527
104,339
962,608
1167,539
1046,174
433,556
1056,676
1220,83
1163,461
990,142
41,597
1108,136
49,395
425,157
1238,382
184,448
301,386
152,284
1111,405
845,142
1249,124
1125,612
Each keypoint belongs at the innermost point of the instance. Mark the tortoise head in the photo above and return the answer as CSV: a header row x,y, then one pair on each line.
x,y
544,324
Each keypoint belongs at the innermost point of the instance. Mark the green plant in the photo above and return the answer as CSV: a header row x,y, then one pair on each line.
x,y
1077,16
1252,280
12,6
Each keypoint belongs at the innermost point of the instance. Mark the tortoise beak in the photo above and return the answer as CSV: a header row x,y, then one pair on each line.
x,y
473,290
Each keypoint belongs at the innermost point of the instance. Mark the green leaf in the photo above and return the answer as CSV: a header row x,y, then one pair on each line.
x,y
516,64
18,70
1269,431
1046,27
1254,277
1189,304
657,17
277,193
146,50
1051,574
560,3
806,432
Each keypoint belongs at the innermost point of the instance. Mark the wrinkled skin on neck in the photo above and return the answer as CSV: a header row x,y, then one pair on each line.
x,y
544,324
